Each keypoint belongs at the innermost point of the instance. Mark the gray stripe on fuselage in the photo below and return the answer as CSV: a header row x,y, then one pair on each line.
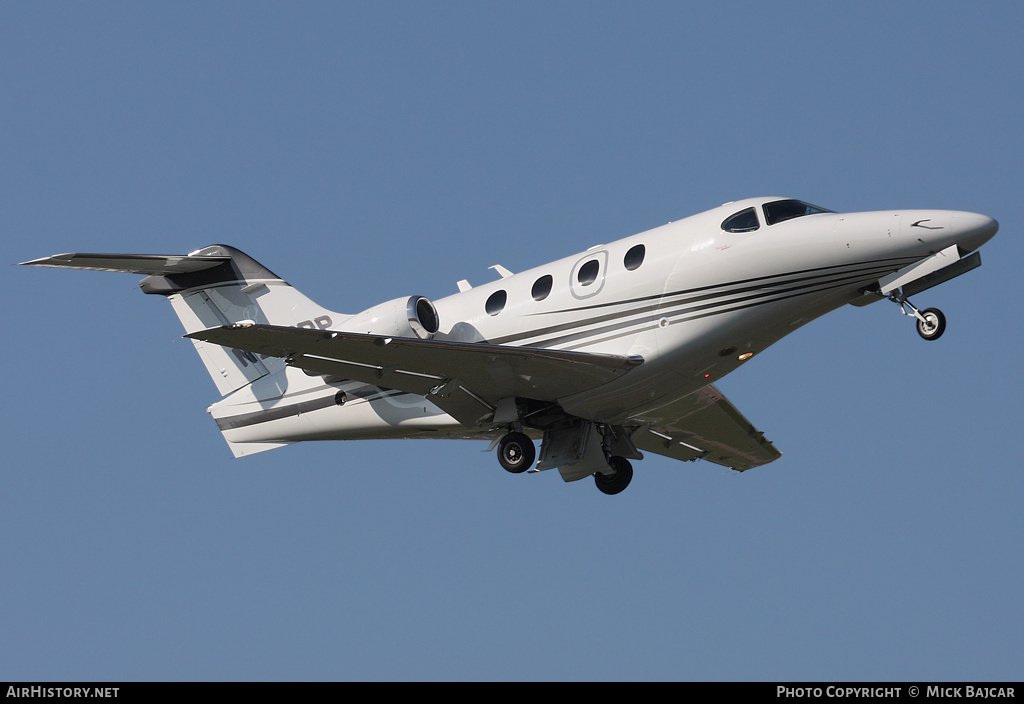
x,y
678,311
849,269
649,326
679,307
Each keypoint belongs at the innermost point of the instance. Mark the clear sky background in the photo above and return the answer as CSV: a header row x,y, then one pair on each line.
x,y
373,150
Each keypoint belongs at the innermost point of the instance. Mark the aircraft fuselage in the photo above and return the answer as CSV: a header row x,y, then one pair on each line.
x,y
603,353
703,300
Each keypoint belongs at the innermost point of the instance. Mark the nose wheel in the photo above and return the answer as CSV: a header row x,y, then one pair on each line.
x,y
931,323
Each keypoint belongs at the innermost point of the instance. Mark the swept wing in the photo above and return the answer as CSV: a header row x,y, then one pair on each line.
x,y
466,380
707,426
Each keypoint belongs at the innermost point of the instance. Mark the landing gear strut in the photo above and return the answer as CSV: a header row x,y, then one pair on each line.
x,y
516,452
931,323
579,449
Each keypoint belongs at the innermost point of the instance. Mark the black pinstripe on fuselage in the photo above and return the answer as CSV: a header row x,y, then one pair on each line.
x,y
676,306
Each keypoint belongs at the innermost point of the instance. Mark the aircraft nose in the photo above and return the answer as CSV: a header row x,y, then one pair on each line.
x,y
972,229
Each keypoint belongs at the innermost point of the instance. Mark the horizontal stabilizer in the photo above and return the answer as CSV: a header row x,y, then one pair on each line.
x,y
215,285
145,264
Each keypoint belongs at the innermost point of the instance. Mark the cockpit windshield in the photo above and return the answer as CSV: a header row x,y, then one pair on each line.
x,y
781,210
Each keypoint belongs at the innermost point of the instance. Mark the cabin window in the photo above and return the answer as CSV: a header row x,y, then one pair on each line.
x,y
542,287
782,210
634,257
496,302
588,272
743,221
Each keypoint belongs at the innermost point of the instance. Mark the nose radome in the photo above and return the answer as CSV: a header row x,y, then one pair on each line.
x,y
972,229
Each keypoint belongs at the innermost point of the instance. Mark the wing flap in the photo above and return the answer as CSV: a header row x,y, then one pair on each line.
x,y
450,395
707,426
465,380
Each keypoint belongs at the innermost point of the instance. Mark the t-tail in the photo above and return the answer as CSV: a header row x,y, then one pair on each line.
x,y
210,287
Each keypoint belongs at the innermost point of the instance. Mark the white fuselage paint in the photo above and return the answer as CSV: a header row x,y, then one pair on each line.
x,y
701,298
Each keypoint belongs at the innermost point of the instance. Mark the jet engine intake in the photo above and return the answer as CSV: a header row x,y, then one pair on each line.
x,y
414,316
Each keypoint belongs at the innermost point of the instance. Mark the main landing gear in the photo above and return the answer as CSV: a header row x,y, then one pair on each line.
x,y
931,323
621,475
516,454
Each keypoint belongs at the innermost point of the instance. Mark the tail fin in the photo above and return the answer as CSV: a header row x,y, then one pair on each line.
x,y
213,286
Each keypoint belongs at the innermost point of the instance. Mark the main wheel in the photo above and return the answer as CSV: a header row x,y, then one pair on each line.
x,y
933,325
618,480
516,452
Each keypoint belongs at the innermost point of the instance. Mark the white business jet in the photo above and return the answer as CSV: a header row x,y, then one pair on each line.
x,y
601,355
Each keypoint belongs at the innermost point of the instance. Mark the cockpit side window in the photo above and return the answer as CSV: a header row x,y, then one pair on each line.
x,y
782,210
743,221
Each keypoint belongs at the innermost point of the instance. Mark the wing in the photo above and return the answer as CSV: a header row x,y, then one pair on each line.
x,y
705,426
466,380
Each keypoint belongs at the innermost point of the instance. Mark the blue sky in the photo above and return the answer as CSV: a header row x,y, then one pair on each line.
x,y
373,150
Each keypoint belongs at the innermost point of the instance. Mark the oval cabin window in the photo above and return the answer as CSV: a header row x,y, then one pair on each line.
x,y
496,302
542,287
588,272
634,257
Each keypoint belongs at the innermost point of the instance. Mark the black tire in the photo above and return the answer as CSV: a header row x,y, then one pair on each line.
x,y
618,480
516,452
936,325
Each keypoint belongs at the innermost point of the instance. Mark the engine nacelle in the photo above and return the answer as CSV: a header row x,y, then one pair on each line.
x,y
414,316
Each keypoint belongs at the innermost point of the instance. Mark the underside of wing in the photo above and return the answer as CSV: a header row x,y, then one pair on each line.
x,y
704,425
466,380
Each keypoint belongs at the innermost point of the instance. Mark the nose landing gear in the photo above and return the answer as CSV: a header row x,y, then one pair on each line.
x,y
931,323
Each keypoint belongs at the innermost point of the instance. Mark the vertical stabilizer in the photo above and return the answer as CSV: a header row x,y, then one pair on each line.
x,y
214,286
238,288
